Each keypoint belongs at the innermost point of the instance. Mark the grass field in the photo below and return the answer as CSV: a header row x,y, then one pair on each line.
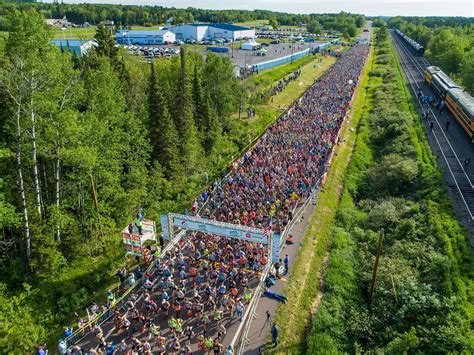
x,y
74,33
276,73
303,288
253,23
85,33
311,68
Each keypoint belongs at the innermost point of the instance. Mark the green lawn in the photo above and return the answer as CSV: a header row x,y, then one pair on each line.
x,y
281,71
311,68
303,287
86,33
74,33
253,23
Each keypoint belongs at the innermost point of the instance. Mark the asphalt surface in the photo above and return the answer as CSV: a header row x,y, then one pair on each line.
x,y
258,340
451,146
230,321
241,57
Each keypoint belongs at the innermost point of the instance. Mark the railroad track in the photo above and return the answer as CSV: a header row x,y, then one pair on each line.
x,y
462,183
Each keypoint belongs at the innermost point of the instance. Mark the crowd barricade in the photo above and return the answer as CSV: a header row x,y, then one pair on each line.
x,y
247,321
119,303
279,61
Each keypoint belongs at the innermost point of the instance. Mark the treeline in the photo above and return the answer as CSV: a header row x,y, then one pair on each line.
x,y
449,43
423,299
85,143
344,23
129,15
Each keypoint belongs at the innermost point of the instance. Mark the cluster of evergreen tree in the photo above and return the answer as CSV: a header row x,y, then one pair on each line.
x,y
128,15
345,23
85,143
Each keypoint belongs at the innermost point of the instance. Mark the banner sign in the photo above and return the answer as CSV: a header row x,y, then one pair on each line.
x,y
219,228
276,247
148,230
165,227
132,243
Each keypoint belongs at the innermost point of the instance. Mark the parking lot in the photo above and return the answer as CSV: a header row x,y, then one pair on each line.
x,y
241,58
238,57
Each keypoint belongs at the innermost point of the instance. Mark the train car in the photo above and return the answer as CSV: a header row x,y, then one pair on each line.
x,y
461,105
458,101
439,81
415,46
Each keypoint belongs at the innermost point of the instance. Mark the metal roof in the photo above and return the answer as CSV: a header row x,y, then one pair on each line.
x,y
140,33
68,42
445,80
464,99
223,26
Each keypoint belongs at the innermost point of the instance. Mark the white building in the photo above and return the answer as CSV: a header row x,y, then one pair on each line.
x,y
75,46
58,22
203,31
250,45
144,37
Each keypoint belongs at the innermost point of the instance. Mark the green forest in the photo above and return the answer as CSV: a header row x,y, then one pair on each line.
x,y
449,44
149,136
129,15
423,297
89,141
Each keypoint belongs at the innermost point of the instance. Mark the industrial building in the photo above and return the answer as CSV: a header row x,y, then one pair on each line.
x,y
204,31
75,46
144,37
193,31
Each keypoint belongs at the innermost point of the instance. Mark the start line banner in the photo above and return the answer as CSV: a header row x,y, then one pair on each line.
x,y
219,228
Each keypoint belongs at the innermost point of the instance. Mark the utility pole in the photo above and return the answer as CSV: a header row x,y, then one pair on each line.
x,y
376,265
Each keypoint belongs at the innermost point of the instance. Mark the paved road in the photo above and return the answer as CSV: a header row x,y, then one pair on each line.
x,y
230,321
260,327
241,57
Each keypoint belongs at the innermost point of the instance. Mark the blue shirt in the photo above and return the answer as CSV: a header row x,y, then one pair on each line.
x,y
109,349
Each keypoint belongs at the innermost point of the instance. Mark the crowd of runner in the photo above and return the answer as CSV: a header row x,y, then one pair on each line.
x,y
283,83
203,285
287,160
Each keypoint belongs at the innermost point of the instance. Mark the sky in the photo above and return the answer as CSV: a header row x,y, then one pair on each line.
x,y
366,7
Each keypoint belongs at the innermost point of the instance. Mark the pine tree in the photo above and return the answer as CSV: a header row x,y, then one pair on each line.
x,y
211,129
124,76
184,117
198,99
205,117
191,149
162,129
105,43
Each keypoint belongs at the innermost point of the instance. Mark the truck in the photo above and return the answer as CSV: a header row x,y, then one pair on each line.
x,y
216,49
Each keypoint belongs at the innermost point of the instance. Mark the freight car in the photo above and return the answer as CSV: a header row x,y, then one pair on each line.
x,y
415,46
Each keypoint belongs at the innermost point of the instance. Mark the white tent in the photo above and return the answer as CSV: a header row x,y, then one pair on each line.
x,y
250,45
